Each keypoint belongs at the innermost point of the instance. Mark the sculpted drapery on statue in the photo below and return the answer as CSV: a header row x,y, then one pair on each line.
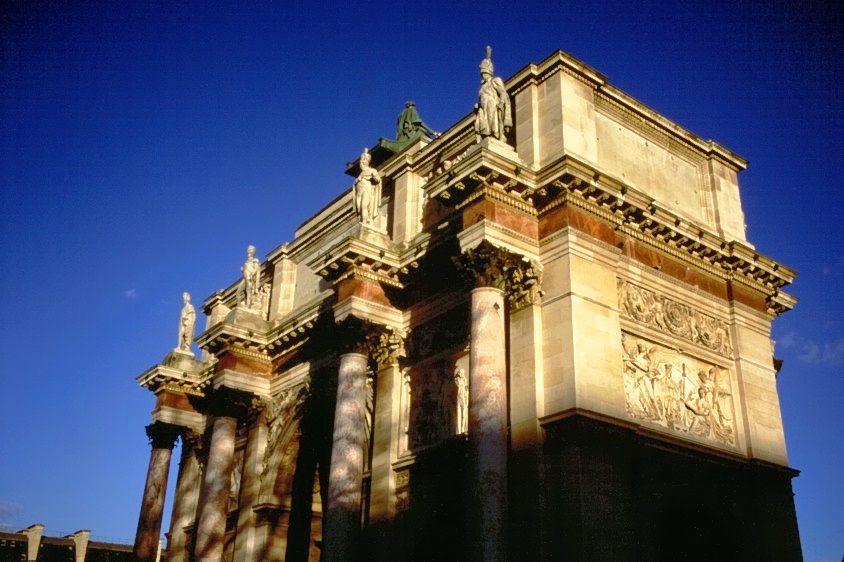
x,y
187,323
410,128
410,125
367,191
493,117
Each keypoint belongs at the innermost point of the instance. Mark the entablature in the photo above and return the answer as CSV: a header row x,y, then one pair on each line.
x,y
161,377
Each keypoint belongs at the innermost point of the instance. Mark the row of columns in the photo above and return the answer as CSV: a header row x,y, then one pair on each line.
x,y
488,436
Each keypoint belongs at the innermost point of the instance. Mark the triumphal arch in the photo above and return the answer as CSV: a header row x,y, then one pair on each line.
x,y
538,335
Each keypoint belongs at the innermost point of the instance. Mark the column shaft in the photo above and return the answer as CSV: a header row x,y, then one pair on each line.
x,y
184,504
211,526
488,423
342,518
152,506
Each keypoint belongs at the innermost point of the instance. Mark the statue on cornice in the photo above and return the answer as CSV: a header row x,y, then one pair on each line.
x,y
493,117
367,191
187,323
410,128
251,283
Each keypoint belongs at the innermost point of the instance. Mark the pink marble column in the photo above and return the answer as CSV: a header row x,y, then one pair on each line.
x,y
184,502
162,438
211,524
342,517
488,423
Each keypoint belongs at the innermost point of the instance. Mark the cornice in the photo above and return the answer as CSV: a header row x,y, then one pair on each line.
x,y
161,377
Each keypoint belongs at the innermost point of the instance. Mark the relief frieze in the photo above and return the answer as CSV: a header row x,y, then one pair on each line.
x,y
678,392
673,317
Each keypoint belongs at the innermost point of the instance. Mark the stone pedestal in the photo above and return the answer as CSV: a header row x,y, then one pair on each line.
x,y
488,422
342,517
211,525
162,438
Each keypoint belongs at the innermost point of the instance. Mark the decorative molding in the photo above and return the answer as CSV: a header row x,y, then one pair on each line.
x,y
674,318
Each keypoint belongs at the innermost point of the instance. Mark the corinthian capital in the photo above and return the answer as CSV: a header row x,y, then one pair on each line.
x,y
488,265
390,348
163,435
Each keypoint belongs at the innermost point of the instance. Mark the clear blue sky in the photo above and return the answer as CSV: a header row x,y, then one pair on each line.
x,y
144,145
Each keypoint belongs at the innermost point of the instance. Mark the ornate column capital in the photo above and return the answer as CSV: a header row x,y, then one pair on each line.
x,y
488,265
163,435
390,348
358,336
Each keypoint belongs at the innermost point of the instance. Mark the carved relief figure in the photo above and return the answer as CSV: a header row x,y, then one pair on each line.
x,y
367,191
660,388
187,323
493,117
462,401
672,317
405,410
251,284
367,421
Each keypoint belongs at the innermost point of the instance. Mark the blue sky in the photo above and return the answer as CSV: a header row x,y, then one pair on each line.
x,y
144,145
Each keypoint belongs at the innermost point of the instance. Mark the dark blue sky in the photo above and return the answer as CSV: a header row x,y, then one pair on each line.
x,y
144,145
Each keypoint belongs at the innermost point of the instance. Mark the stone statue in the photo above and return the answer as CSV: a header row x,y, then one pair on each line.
x,y
367,191
462,401
251,284
492,112
187,322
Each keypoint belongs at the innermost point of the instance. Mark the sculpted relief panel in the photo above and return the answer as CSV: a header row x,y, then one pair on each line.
x,y
674,318
678,392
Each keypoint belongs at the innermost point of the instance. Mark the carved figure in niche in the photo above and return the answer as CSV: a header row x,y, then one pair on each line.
x,y
367,420
493,117
367,191
462,384
251,284
234,485
187,323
